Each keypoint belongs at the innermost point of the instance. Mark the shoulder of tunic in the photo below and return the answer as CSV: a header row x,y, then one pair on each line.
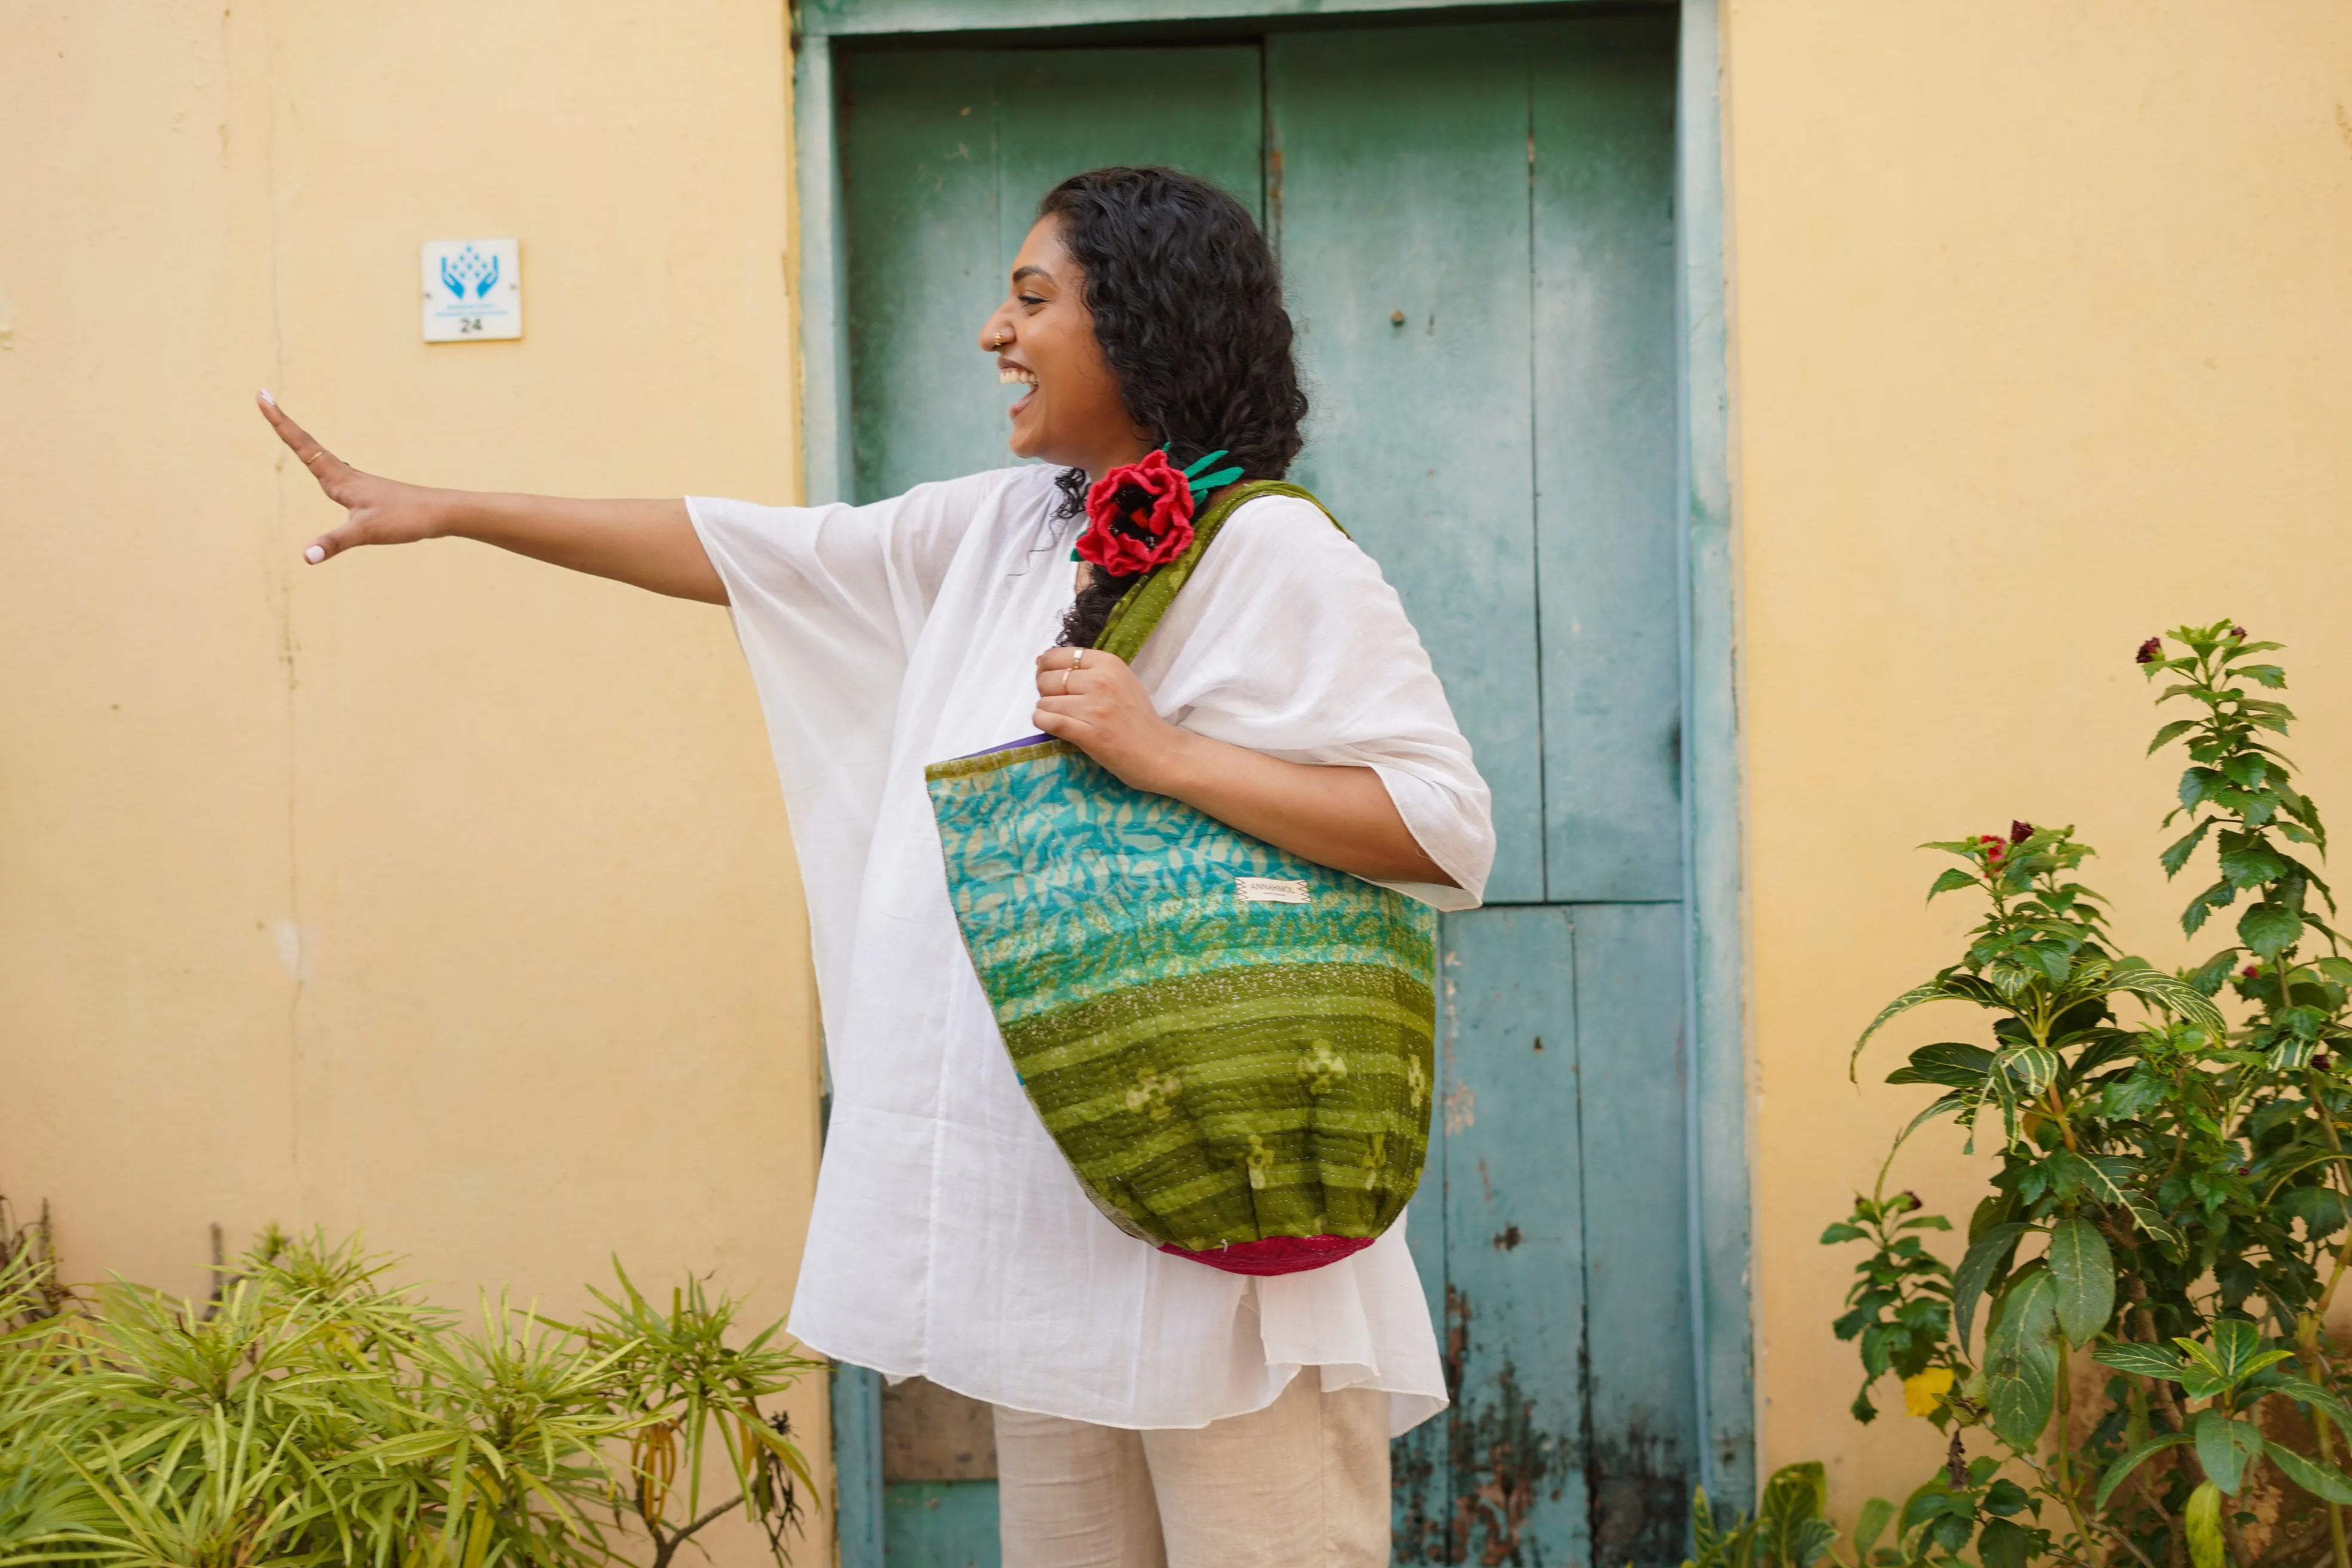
x,y
1279,536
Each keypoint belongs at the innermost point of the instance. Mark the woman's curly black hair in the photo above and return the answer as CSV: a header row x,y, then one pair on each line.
x,y
1187,304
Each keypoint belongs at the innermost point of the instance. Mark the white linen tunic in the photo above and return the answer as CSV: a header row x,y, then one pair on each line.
x,y
949,1238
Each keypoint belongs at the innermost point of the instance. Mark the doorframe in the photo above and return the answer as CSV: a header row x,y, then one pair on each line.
x,y
1718,1145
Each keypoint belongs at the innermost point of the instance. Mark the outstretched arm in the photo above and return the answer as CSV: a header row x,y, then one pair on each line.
x,y
1336,816
648,544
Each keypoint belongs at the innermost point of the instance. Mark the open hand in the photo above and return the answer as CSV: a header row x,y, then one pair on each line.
x,y
382,510
1092,699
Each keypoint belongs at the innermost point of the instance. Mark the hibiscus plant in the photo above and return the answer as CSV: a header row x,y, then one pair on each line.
x,y
2130,1353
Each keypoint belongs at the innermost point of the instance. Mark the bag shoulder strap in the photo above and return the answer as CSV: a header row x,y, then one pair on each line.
x,y
1139,608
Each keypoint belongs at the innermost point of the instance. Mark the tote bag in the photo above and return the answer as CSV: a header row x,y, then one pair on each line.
x,y
1231,1044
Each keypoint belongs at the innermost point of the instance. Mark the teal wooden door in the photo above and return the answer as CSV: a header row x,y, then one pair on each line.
x,y
1476,230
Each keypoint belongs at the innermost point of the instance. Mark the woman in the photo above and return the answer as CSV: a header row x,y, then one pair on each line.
x,y
1150,1410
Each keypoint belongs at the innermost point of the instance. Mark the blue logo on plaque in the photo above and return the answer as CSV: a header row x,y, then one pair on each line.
x,y
469,271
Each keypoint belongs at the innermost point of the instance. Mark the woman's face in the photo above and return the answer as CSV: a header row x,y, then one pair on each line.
x,y
1043,335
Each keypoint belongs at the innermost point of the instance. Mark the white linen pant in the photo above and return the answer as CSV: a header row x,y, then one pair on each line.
x,y
1303,1483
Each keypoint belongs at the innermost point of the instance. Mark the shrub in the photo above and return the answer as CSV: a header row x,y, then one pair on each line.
x,y
309,1413
2171,1189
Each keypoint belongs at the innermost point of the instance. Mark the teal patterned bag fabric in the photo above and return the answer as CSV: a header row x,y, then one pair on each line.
x,y
1231,1044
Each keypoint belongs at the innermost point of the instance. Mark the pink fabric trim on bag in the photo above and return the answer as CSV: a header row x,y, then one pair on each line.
x,y
1277,1254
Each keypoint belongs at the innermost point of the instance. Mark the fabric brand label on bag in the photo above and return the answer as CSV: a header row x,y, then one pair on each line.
x,y
1269,890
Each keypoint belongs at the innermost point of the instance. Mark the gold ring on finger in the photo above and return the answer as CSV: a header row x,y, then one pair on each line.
x,y
1078,657
1065,680
314,457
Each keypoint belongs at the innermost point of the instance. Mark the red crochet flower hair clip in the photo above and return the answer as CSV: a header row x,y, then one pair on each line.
x,y
1140,516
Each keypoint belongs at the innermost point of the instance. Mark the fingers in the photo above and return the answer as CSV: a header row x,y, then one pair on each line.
x,y
324,466
331,544
1053,717
293,435
1067,671
300,442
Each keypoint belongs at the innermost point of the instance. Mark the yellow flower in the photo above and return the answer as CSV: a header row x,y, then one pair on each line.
x,y
1921,1394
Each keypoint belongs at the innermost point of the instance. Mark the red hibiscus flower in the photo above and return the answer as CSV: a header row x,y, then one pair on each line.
x,y
1137,517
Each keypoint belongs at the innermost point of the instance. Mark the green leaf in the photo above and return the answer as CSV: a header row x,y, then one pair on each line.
x,y
1937,990
2208,976
2175,854
2234,1354
2246,770
2323,1481
2171,732
2125,1097
2084,1271
2220,896
2120,1471
2269,929
1812,1542
1951,1063
2107,1175
2030,1067
2322,1210
2001,1544
1843,1232
1871,1525
2006,1499
2238,1348
1987,1258
2174,993
2224,1447
1951,881
2252,868
2203,1521
2139,1359
2021,1360
1796,1495
1192,469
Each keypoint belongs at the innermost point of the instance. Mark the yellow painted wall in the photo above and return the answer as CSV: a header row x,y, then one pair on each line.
x,y
432,893
2043,343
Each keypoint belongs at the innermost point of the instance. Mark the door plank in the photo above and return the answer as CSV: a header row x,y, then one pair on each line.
x,y
941,1524
1400,201
1603,134
1644,1449
1515,1248
1064,112
919,184
945,156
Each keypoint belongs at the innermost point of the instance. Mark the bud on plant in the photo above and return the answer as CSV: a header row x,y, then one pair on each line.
x,y
2019,832
2149,651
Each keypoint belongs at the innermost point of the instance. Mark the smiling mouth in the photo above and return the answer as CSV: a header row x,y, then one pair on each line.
x,y
1011,375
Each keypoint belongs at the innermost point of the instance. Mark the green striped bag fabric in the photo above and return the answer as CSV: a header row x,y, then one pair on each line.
x,y
1231,1044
